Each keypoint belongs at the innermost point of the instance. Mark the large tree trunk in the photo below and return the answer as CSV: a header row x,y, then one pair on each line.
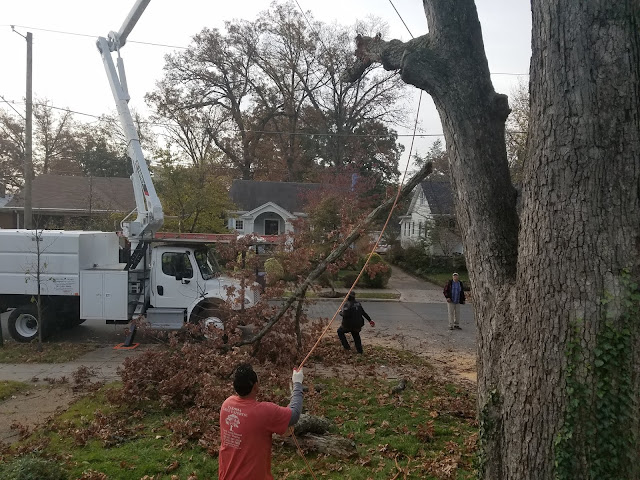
x,y
579,229
558,386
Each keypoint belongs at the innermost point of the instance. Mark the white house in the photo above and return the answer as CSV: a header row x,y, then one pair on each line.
x,y
431,214
267,208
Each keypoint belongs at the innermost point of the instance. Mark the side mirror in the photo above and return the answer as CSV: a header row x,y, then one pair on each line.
x,y
178,276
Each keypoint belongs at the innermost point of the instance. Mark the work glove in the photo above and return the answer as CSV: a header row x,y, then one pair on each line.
x,y
297,376
372,323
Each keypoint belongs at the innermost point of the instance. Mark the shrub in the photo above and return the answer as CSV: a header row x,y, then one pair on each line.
x,y
32,468
328,279
274,270
377,274
348,278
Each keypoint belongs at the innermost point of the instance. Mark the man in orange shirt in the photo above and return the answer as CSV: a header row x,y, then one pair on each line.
x,y
246,426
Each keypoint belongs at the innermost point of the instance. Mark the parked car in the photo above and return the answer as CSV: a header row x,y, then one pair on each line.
x,y
383,248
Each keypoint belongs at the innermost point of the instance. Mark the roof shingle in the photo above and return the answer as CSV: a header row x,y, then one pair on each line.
x,y
57,192
249,195
439,195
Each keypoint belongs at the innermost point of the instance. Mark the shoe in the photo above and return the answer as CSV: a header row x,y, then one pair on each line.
x,y
450,328
457,327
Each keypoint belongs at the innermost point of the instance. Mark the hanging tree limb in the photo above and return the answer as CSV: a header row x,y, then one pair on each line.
x,y
338,251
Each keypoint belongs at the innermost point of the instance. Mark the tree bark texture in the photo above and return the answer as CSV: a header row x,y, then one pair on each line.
x,y
544,283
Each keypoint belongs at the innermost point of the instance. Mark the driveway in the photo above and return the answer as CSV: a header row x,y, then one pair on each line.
x,y
414,289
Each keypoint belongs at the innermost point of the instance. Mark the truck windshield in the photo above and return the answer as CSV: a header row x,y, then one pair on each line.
x,y
207,263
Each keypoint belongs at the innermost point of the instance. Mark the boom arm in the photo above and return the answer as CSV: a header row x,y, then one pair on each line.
x,y
150,215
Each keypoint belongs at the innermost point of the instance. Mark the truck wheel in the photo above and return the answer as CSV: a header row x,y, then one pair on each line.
x,y
208,316
23,323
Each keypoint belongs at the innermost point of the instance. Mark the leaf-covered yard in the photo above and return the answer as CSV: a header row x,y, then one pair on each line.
x,y
156,425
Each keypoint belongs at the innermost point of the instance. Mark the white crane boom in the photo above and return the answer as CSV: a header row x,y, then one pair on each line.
x,y
150,216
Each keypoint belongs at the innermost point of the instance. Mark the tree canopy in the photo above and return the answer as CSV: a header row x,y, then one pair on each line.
x,y
268,95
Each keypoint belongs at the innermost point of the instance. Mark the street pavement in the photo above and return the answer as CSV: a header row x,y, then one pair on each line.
x,y
417,321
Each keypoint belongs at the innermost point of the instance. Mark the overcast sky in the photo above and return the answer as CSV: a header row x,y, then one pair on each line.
x,y
68,70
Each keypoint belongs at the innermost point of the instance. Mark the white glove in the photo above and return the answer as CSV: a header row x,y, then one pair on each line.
x,y
297,376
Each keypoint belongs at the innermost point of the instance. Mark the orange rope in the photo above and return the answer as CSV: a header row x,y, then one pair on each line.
x,y
395,202
293,435
374,247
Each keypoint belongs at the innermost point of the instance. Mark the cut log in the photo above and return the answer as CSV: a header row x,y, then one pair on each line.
x,y
328,444
311,424
402,384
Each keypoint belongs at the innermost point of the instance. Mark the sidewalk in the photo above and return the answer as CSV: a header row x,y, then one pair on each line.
x,y
410,289
103,363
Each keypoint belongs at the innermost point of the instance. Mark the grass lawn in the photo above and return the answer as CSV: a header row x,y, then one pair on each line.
x,y
442,278
14,352
427,431
340,295
8,388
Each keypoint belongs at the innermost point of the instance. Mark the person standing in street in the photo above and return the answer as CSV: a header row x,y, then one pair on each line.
x,y
353,316
454,293
246,426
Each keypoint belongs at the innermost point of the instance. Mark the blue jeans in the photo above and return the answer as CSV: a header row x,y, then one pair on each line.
x,y
345,343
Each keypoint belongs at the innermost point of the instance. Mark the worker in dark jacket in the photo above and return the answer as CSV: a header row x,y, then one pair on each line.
x,y
454,293
353,316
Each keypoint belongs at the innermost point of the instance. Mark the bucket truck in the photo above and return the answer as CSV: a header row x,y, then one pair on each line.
x,y
168,280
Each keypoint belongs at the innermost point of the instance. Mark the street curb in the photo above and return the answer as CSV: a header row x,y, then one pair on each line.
x,y
338,299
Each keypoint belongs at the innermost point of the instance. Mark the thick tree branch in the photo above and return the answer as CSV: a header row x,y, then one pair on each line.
x,y
337,252
418,60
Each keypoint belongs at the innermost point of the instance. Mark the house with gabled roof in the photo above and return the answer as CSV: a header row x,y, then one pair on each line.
x,y
431,215
62,199
6,220
267,208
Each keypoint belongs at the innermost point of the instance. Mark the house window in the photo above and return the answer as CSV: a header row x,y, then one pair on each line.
x,y
422,199
413,228
271,227
239,225
419,228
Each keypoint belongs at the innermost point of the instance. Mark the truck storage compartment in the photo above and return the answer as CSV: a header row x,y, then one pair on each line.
x,y
166,318
58,254
104,294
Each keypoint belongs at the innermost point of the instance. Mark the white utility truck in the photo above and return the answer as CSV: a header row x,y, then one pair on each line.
x,y
80,279
168,281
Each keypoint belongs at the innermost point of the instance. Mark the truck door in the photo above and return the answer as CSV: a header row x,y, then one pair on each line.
x,y
176,283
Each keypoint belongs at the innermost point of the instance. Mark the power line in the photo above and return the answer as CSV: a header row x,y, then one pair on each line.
x,y
10,105
163,45
492,73
76,34
268,132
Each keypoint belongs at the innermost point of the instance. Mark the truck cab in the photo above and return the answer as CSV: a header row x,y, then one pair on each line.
x,y
187,284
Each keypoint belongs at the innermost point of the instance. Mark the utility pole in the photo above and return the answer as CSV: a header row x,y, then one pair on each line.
x,y
28,144
28,133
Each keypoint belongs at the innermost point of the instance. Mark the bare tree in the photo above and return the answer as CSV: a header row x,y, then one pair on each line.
x,y
12,150
189,133
556,288
264,87
518,131
55,144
